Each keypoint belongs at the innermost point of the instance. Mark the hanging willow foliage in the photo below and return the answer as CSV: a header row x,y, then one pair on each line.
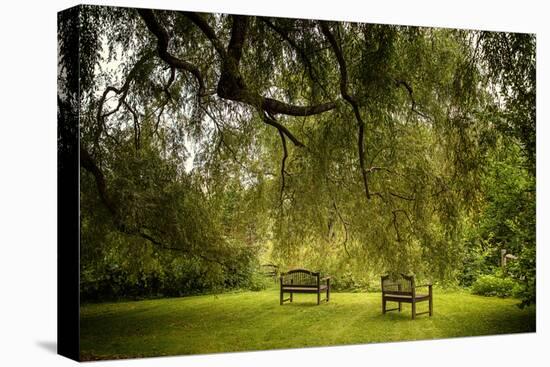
x,y
333,144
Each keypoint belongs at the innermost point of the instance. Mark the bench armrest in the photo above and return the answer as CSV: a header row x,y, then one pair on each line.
x,y
324,278
424,285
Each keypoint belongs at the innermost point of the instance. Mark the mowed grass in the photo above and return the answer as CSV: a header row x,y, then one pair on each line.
x,y
255,321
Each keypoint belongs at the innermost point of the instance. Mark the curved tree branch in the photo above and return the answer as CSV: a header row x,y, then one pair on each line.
x,y
170,82
89,164
396,225
222,138
351,100
345,226
282,129
208,32
163,38
413,101
232,85
399,196
141,233
137,127
123,92
277,107
284,35
303,55
283,172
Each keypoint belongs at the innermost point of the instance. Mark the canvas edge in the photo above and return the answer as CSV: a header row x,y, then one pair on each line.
x,y
68,208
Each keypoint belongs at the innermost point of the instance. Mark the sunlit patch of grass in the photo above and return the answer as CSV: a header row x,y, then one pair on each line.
x,y
255,321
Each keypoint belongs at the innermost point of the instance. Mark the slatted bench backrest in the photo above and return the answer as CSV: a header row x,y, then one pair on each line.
x,y
399,285
300,277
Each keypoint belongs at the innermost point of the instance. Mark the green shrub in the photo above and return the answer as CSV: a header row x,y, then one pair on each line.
x,y
258,282
492,285
349,282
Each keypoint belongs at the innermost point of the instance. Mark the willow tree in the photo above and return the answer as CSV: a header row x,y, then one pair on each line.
x,y
342,144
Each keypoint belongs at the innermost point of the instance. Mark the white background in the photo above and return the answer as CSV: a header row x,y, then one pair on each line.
x,y
28,183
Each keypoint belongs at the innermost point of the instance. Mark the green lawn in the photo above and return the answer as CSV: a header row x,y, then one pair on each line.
x,y
255,321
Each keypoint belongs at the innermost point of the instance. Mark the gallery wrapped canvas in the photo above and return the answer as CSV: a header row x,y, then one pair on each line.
x,y
236,183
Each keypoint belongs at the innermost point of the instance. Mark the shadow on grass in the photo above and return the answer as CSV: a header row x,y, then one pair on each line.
x,y
302,304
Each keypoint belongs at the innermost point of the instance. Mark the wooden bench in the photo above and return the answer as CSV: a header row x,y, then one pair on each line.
x,y
304,281
403,289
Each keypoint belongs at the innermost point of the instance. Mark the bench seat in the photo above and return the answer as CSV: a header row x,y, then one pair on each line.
x,y
313,289
406,298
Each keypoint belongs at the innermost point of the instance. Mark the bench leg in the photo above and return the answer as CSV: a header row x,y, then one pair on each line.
x,y
399,306
291,296
413,306
328,294
383,305
318,298
281,296
431,300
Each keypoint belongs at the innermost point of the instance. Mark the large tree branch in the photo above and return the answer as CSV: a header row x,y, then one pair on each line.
x,y
277,107
232,85
89,164
207,31
163,39
239,30
351,100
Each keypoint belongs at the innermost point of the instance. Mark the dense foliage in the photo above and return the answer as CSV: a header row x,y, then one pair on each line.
x,y
491,285
211,144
